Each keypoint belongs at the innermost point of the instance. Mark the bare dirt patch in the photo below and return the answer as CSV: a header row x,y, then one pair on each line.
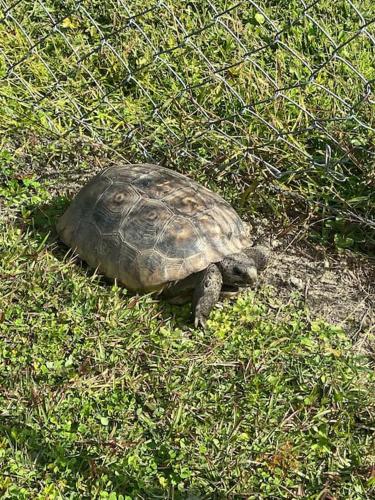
x,y
338,287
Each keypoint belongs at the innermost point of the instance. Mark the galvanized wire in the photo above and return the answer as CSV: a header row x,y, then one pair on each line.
x,y
103,75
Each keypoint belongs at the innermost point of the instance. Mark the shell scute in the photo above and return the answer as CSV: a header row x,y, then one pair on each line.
x,y
144,223
179,239
113,206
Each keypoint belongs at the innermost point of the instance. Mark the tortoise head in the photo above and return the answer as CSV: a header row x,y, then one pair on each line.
x,y
238,269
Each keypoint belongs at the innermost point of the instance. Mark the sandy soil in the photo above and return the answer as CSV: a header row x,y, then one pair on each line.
x,y
337,287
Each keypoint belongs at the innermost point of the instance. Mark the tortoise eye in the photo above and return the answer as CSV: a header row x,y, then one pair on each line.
x,y
237,271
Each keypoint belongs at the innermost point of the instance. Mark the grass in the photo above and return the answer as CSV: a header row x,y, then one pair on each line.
x,y
105,395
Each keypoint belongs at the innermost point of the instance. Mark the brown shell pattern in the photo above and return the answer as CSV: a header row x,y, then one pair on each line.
x,y
147,225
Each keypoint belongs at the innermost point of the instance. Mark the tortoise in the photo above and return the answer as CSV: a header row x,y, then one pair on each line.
x,y
156,230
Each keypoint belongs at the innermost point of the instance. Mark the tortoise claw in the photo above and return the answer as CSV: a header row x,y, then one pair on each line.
x,y
199,321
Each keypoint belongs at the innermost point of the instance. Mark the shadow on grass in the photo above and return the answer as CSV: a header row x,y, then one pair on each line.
x,y
43,218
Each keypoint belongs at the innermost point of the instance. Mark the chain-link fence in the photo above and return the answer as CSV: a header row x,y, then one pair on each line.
x,y
273,91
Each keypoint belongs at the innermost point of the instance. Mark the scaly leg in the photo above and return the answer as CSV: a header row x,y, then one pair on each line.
x,y
206,294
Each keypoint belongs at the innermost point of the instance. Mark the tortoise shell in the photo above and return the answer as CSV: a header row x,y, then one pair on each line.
x,y
147,225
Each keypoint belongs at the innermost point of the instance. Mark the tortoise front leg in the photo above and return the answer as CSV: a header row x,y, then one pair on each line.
x,y
206,294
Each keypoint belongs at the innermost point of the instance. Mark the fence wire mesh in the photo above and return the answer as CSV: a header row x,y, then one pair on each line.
x,y
273,90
